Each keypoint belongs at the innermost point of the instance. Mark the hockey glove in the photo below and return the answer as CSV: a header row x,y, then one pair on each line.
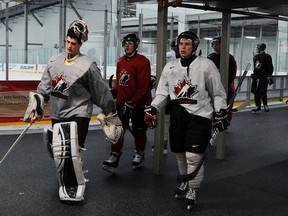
x,y
270,80
127,109
153,82
112,126
35,107
220,120
151,116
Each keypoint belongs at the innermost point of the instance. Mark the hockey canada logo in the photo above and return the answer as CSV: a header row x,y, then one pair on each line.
x,y
124,77
184,91
258,64
59,86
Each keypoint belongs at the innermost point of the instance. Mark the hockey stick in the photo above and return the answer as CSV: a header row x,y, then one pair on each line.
x,y
18,139
190,176
241,106
110,81
110,86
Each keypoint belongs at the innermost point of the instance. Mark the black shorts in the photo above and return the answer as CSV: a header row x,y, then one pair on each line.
x,y
188,133
259,86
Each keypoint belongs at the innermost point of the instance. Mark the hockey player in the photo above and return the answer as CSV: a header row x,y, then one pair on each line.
x,y
215,57
198,101
263,70
133,93
72,83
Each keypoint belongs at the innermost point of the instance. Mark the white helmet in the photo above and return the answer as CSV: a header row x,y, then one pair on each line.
x,y
80,29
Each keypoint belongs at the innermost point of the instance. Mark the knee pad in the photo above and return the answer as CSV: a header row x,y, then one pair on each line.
x,y
193,160
67,158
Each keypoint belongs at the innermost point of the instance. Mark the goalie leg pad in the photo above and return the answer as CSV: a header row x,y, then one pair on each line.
x,y
47,137
67,158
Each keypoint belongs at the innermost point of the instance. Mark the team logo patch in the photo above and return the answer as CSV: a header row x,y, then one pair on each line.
x,y
258,64
59,86
124,77
184,91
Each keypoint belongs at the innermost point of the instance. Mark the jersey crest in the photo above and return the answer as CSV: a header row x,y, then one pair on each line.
x,y
258,64
184,91
60,85
124,77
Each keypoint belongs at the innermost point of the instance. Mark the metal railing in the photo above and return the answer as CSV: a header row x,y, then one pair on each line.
x,y
277,91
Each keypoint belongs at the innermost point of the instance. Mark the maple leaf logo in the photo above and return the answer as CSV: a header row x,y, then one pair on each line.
x,y
184,90
59,83
258,64
124,77
59,86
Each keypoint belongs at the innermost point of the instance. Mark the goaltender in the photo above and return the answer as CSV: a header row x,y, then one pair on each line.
x,y
72,83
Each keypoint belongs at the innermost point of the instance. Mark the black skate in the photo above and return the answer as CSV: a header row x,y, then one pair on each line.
x,y
191,198
256,110
111,163
138,158
181,191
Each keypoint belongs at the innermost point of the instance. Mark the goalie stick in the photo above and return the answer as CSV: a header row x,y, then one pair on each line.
x,y
18,139
190,176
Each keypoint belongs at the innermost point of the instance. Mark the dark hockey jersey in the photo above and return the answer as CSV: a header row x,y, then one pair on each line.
x,y
133,81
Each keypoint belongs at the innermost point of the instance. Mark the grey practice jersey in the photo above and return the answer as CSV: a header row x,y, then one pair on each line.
x,y
74,88
199,90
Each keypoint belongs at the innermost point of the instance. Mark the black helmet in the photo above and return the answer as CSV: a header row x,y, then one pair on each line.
x,y
174,43
261,46
189,35
216,39
131,37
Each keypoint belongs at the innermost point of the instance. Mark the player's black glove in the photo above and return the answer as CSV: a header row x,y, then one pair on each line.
x,y
151,116
127,109
152,81
270,80
220,120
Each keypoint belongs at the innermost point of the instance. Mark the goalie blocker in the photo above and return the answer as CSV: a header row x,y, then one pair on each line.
x,y
65,151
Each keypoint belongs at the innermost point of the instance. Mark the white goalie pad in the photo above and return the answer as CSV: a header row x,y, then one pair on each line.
x,y
68,161
47,138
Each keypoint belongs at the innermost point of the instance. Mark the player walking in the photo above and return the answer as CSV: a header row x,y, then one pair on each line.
x,y
133,92
72,83
194,86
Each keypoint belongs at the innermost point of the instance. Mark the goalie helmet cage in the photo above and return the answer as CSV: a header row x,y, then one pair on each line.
x,y
190,176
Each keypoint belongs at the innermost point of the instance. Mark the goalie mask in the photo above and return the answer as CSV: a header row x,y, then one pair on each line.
x,y
80,29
